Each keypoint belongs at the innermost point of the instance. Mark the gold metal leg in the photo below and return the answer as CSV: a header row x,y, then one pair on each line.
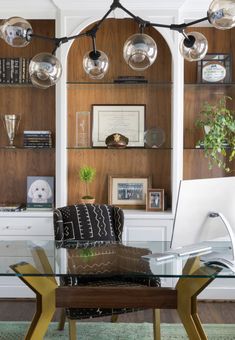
x,y
114,318
44,288
72,329
188,289
156,324
62,320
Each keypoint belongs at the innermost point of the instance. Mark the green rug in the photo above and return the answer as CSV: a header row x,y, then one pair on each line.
x,y
118,331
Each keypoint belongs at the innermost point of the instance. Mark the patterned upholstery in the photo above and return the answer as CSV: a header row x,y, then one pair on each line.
x,y
75,226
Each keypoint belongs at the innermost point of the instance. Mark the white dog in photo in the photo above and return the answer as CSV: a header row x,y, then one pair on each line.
x,y
40,191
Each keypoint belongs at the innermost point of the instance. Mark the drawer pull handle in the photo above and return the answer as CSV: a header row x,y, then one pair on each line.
x,y
17,228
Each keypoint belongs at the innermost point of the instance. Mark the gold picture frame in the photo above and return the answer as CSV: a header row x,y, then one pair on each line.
x,y
127,191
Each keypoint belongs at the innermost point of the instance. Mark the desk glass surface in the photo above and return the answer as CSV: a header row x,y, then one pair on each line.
x,y
104,260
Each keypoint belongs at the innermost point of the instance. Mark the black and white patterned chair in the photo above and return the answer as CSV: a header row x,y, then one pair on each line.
x,y
100,224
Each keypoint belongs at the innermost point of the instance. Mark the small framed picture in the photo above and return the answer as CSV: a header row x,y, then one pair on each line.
x,y
40,192
215,68
128,192
155,200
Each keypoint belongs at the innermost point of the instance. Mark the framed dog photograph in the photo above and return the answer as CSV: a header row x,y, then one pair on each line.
x,y
40,192
155,200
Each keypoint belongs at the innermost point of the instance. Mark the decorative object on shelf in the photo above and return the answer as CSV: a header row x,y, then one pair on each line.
x,y
140,50
154,138
219,138
215,68
40,192
87,175
116,140
129,120
82,129
11,124
155,200
14,71
128,192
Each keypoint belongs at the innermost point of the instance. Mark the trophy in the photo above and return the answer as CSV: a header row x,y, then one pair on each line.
x,y
11,124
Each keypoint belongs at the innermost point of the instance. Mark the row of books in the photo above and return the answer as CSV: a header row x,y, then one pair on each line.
x,y
14,71
37,139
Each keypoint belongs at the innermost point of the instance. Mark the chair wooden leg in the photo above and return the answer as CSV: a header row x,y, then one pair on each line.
x,y
156,324
72,330
114,318
62,320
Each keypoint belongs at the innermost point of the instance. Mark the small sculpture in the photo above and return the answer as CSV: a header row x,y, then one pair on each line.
x,y
116,140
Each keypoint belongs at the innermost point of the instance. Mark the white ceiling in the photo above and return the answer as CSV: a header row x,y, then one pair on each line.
x,y
187,9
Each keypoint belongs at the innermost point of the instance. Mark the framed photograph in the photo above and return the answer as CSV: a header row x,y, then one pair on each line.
x,y
215,68
155,200
128,120
40,192
128,192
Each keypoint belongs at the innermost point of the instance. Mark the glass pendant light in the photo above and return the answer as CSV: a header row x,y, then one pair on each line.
x,y
140,51
221,14
45,70
16,32
194,46
95,64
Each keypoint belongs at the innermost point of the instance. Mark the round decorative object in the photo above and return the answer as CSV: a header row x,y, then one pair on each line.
x,y
213,72
221,14
95,64
16,32
116,140
45,70
140,51
154,138
195,47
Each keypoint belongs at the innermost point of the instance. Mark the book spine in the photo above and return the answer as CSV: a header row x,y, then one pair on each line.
x,y
16,71
8,70
3,70
0,70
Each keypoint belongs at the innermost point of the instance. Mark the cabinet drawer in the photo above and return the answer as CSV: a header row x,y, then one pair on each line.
x,y
8,261
26,226
23,248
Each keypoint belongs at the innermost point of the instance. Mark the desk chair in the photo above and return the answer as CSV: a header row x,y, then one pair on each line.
x,y
101,223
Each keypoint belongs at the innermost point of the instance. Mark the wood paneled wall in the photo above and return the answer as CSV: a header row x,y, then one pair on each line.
x,y
156,95
37,110
195,94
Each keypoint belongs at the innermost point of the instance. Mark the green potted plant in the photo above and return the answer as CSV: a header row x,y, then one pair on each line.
x,y
218,123
87,175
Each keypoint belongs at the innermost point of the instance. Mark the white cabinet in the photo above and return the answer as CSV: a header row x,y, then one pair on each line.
x,y
36,227
147,226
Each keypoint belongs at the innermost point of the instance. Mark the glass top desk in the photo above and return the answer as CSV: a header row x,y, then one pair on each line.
x,y
115,261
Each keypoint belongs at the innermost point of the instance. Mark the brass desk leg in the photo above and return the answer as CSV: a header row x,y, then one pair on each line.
x,y
44,287
188,289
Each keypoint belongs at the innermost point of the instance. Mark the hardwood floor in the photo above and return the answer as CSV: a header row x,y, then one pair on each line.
x,y
210,312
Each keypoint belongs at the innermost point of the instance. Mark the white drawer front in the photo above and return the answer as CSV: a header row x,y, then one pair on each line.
x,y
23,248
26,226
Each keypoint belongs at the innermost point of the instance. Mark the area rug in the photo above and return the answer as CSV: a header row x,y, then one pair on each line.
x,y
118,331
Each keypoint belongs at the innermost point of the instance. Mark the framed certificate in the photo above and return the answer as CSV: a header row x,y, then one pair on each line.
x,y
128,120
215,68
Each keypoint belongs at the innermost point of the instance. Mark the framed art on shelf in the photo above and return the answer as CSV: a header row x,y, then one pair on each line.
x,y
155,200
128,120
128,192
40,192
215,68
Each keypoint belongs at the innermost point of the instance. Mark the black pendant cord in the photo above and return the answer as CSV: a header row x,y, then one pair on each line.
x,y
116,4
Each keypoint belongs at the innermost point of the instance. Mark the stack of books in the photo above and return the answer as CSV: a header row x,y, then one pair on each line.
x,y
37,139
12,206
130,80
14,71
